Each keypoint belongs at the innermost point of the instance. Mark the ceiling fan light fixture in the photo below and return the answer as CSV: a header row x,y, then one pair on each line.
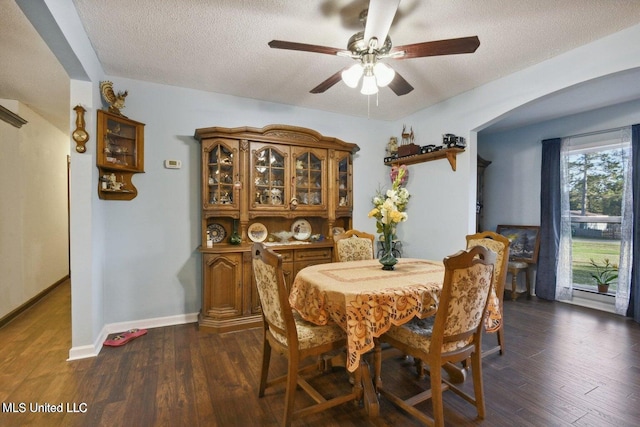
x,y
369,86
384,74
374,44
351,76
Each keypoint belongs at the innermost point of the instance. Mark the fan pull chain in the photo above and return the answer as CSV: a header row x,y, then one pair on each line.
x,y
369,104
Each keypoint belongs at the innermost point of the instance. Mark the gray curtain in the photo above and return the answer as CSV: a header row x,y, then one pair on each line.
x,y
634,300
549,219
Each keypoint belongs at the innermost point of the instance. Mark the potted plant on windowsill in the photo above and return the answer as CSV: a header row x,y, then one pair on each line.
x,y
604,275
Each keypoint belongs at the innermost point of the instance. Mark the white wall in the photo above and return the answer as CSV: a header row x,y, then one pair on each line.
x,y
444,201
57,21
512,181
87,230
152,266
143,260
34,250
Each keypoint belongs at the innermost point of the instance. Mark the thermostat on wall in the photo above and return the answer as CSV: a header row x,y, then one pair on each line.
x,y
172,164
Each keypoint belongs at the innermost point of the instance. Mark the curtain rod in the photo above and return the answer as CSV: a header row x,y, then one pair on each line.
x,y
597,132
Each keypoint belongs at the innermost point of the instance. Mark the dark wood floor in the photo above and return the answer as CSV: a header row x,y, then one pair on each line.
x,y
565,365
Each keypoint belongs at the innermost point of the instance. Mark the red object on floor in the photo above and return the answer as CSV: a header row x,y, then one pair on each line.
x,y
125,337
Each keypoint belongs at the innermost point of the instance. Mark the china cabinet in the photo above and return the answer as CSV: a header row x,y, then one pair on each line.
x,y
120,155
278,182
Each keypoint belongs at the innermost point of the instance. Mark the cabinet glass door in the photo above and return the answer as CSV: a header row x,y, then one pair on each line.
x,y
344,196
120,145
220,164
269,178
310,179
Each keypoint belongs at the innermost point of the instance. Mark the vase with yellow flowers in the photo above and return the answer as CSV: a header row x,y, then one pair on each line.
x,y
389,210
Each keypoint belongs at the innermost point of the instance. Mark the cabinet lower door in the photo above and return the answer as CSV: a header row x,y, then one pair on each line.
x,y
222,290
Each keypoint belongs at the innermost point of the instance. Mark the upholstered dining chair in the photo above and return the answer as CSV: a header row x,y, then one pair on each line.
x,y
500,245
353,245
453,335
288,334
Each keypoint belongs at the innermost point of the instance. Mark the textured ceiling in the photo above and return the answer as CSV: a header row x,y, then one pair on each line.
x,y
29,72
221,46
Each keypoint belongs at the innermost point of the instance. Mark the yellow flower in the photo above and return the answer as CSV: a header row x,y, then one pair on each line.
x,y
396,216
389,206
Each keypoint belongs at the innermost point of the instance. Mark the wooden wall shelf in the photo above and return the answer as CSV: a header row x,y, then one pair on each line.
x,y
448,153
120,155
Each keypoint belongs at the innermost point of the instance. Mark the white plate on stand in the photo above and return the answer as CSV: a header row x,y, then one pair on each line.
x,y
257,232
301,229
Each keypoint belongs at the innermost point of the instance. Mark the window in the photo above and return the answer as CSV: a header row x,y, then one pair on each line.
x,y
594,227
596,184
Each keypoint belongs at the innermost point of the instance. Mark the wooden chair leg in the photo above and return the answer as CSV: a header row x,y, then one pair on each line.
x,y
264,374
436,397
514,285
357,385
290,393
478,389
420,371
377,364
500,335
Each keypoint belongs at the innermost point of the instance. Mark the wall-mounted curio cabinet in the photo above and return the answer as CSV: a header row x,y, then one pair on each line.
x,y
287,186
120,155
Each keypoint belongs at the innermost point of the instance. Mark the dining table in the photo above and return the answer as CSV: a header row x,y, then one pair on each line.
x,y
365,301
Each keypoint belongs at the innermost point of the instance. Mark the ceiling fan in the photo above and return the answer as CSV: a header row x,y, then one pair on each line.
x,y
372,45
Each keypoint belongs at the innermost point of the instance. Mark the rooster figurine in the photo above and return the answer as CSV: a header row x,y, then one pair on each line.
x,y
116,102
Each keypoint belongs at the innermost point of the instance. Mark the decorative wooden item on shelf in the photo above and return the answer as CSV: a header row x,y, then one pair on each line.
x,y
120,155
80,135
407,146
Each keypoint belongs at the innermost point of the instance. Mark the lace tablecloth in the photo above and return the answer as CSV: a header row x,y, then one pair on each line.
x,y
366,300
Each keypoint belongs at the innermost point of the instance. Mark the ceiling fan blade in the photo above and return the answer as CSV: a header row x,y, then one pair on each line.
x,y
281,44
327,84
400,86
438,47
379,18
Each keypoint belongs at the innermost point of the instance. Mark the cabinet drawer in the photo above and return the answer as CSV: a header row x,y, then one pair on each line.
x,y
302,264
287,256
313,254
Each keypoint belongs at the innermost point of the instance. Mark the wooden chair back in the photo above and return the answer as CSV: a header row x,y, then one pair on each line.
x,y
353,245
463,303
293,338
455,335
500,245
270,283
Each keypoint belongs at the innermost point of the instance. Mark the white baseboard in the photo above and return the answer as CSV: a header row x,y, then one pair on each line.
x,y
83,352
86,351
